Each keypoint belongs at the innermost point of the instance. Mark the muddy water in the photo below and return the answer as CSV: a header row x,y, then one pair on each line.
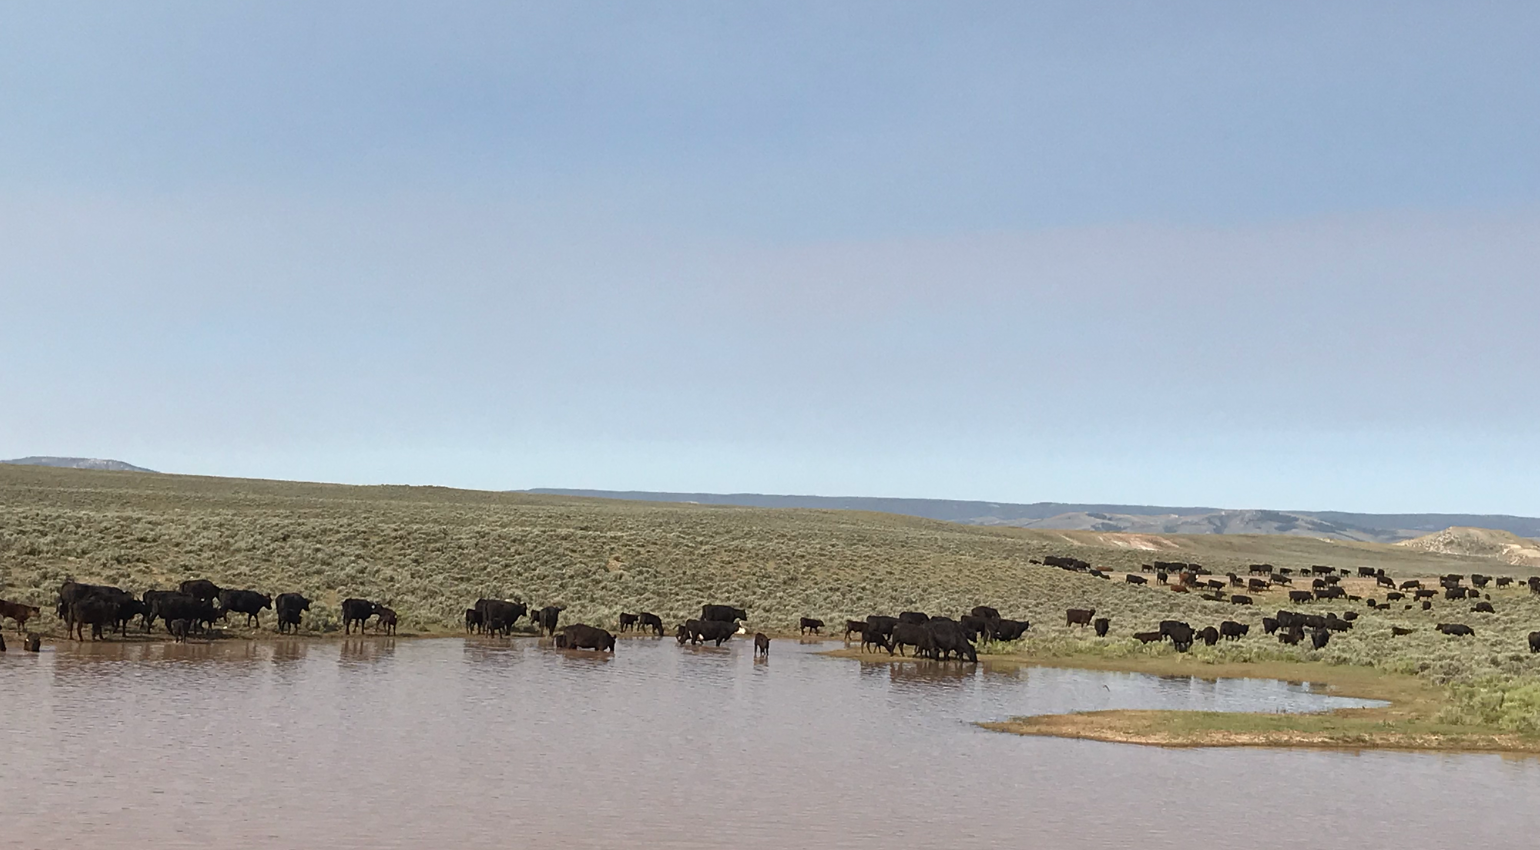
x,y
449,743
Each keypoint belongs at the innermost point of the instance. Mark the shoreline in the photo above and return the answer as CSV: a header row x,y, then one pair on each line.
x,y
1408,722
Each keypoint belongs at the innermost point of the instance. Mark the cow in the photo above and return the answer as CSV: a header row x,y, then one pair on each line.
x,y
808,624
1366,572
1534,584
1427,605
627,622
1300,596
723,613
179,629
93,611
473,621
1455,593
1483,608
1133,579
1412,584
1231,630
1161,577
19,613
1479,580
1398,631
356,611
1007,630
1282,578
985,611
761,645
1181,635
128,609
1079,616
1257,585
179,606
1147,637
1384,581
1534,641
1269,625
1319,637
499,616
854,627
915,635
716,631
1425,593
1238,599
1209,635
290,606
386,621
1101,625
950,640
647,621
248,602
877,625
583,636
546,618
1504,581
1393,596
976,626
1292,635
913,618
199,588
1456,629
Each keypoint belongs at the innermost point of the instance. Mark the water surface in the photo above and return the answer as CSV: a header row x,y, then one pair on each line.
x,y
378,742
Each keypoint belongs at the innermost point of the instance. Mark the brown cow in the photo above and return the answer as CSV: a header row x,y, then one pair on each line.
x,y
18,612
1079,616
761,645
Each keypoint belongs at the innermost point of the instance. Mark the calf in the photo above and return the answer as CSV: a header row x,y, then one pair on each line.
x,y
808,624
1209,635
290,607
627,622
1147,637
1079,616
1319,637
761,645
854,627
19,612
650,622
547,617
473,621
386,621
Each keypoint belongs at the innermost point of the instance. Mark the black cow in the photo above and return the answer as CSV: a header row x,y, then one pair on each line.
x,y
915,635
498,616
1240,600
646,621
1269,625
582,636
1007,630
180,606
1398,631
808,624
1209,635
200,588
1232,630
854,627
1300,596
93,611
290,607
1133,579
1534,641
1079,616
717,631
723,613
387,620
627,622
1181,635
1483,608
878,624
1394,596
761,645
1101,625
950,639
1456,629
179,629
913,618
546,618
1292,635
1147,637
248,602
1455,592
473,621
356,611
1384,581
977,626
1319,638
985,611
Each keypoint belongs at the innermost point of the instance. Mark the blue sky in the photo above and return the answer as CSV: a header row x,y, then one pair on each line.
x,y
1181,253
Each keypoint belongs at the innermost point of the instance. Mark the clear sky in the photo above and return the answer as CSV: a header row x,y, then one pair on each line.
x,y
1242,255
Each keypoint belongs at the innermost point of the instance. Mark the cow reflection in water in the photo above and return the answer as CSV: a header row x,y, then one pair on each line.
x,y
288,651
367,649
929,673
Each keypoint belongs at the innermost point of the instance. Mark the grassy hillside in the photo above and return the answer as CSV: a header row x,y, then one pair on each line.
x,y
429,552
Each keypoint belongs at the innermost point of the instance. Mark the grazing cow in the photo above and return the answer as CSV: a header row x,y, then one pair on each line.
x,y
583,636
1300,596
1456,629
627,622
1257,585
1181,635
985,612
1384,581
1101,625
1292,635
1394,596
1269,625
854,627
1215,584
1350,616
1318,584
1147,637
1455,593
290,606
976,626
949,640
877,625
1079,616
356,611
915,635
248,602
808,624
179,629
19,612
1232,630
1424,593
1235,580
1534,641
1319,637
761,645
1238,599
648,621
200,588
386,621
1483,608
1133,579
1007,630
1161,577
913,618
1479,580
1282,579
1209,635
1398,631
1410,585
473,621
546,618
1366,572
723,613
716,631
1504,581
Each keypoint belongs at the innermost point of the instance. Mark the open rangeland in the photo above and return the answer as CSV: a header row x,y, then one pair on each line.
x,y
429,552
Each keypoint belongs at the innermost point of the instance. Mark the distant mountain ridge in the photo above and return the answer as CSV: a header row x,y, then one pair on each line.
x,y
1334,525
78,463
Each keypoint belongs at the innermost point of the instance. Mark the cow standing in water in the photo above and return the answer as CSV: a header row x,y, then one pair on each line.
x,y
761,645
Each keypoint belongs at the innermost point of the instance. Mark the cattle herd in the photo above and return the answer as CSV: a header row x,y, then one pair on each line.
x,y
197,604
